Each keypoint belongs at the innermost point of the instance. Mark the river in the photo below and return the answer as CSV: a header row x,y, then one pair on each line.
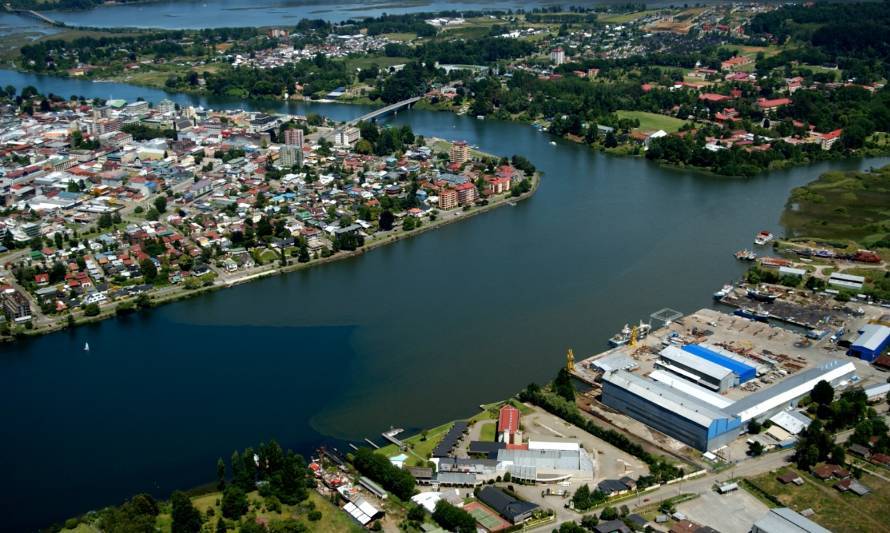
x,y
182,14
411,334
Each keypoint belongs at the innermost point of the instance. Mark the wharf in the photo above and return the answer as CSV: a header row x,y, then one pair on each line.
x,y
809,315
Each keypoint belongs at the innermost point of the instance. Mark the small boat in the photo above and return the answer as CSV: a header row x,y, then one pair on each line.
x,y
758,315
86,346
627,334
552,143
722,293
762,294
745,255
763,238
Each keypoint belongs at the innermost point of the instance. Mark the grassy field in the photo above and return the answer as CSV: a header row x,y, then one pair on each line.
x,y
401,37
841,513
653,121
752,51
841,205
333,520
623,18
353,63
487,433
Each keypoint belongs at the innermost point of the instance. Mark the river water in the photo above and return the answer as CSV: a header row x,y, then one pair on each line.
x,y
181,14
411,334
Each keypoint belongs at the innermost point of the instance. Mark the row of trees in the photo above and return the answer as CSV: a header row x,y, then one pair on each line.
x,y
381,470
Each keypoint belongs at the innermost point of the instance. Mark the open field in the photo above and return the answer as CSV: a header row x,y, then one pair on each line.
x,y
752,51
841,205
401,36
653,121
841,513
488,431
363,62
624,18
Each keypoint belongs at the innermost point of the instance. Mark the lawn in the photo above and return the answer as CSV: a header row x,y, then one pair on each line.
x,y
363,62
653,121
332,519
623,18
841,513
487,432
401,37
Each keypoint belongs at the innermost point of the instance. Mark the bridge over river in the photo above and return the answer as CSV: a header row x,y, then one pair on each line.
x,y
384,110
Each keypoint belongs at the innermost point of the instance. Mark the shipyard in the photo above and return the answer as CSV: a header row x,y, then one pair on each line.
x,y
698,380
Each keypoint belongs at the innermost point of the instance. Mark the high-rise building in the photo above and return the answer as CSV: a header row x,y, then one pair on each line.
x,y
293,137
289,156
460,152
447,198
558,56
347,136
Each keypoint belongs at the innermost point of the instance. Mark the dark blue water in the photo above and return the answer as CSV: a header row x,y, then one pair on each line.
x,y
180,14
411,334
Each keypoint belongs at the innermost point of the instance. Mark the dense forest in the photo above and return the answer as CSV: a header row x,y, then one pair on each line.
x,y
855,36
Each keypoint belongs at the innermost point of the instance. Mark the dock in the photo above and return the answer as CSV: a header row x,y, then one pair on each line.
x,y
369,441
390,435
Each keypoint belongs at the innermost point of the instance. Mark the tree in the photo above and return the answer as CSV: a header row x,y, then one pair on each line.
x,y
453,518
755,448
161,204
220,474
148,269
562,385
609,513
416,513
234,502
386,220
186,519
838,455
754,427
823,393
91,309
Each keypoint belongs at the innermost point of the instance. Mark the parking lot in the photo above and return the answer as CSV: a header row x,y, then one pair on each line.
x,y
734,512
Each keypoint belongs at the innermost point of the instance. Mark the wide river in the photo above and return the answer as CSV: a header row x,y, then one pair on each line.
x,y
411,334
179,14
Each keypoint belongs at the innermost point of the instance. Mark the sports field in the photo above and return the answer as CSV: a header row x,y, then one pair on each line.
x,y
486,517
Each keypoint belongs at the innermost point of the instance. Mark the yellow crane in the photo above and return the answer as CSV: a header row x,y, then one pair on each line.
x,y
634,333
570,361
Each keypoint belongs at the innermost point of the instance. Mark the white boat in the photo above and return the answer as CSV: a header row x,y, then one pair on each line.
x,y
763,238
722,293
552,143
627,333
86,346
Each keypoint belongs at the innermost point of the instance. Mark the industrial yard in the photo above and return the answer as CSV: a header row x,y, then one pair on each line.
x,y
699,380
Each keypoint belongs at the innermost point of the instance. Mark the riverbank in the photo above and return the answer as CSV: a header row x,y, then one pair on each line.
x,y
181,292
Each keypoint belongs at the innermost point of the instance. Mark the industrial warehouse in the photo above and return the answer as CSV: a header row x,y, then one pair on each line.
x,y
703,378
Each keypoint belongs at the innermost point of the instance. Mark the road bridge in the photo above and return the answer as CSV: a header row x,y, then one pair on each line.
x,y
384,110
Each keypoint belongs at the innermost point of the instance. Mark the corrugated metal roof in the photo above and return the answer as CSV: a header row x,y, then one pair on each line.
x,y
786,391
784,520
872,336
691,389
688,360
689,407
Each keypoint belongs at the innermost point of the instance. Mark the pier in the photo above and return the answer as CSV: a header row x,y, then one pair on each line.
x,y
391,437
35,15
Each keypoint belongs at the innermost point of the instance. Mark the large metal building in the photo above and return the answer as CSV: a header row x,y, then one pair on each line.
x,y
696,369
873,339
744,371
675,413
784,395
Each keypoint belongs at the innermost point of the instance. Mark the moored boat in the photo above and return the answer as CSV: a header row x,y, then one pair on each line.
x,y
722,293
763,237
758,315
745,255
762,294
627,334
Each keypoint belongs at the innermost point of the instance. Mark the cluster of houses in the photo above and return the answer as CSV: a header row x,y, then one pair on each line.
x,y
81,192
